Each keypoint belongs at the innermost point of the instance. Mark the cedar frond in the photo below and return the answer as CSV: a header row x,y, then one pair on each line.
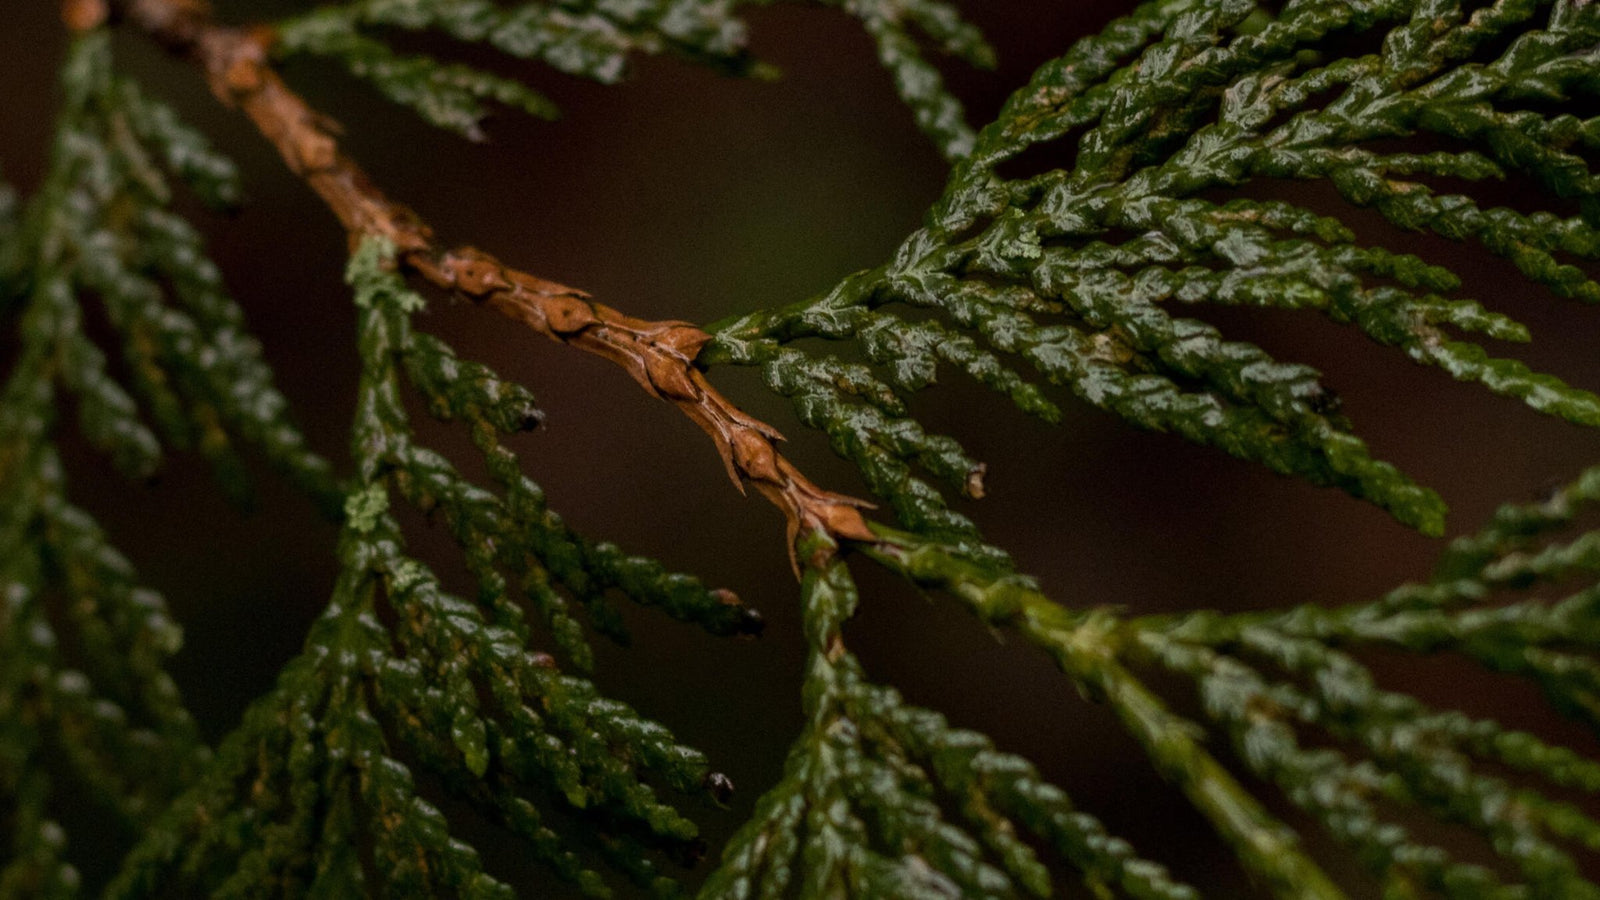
x,y
1270,678
455,685
861,808
103,228
1162,141
595,38
1076,272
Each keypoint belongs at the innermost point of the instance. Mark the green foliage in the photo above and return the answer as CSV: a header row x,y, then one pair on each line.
x,y
1073,272
915,79
870,772
1164,136
594,38
1269,679
102,227
399,669
82,692
82,689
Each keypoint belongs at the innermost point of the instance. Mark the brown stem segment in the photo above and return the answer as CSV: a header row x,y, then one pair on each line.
x,y
659,355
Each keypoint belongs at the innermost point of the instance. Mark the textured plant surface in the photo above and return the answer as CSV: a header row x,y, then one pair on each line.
x,y
1125,189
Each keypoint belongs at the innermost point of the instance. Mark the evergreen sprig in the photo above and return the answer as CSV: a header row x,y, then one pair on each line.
x,y
594,39
861,808
83,695
82,688
1073,272
103,228
1270,679
400,669
895,26
1123,180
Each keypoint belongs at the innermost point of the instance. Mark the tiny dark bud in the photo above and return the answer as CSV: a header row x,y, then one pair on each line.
x,y
752,624
531,418
719,787
1325,402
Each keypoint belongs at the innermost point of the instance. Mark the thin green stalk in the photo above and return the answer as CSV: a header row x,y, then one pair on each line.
x,y
1085,647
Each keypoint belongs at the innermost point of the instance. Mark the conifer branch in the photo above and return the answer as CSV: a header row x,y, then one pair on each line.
x,y
659,355
1074,273
1086,646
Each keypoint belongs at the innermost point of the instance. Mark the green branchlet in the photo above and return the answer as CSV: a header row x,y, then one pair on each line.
x,y
917,81
102,227
595,38
83,693
1027,277
1075,272
861,808
1282,685
398,667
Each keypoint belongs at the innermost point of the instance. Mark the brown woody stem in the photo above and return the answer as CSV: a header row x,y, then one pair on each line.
x,y
659,355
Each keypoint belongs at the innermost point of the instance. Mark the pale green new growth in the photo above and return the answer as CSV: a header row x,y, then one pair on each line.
x,y
362,508
1138,173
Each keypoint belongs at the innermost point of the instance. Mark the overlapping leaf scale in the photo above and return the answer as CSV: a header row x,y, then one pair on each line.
x,y
84,696
102,227
538,734
590,751
591,39
880,798
879,437
1074,272
1393,752
1090,646
1517,527
1489,601
180,149
452,96
84,688
1303,714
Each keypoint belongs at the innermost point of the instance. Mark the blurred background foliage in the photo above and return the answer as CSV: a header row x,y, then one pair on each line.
x,y
684,194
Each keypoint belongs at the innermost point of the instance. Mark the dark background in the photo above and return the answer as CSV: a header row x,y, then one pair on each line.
x,y
683,194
